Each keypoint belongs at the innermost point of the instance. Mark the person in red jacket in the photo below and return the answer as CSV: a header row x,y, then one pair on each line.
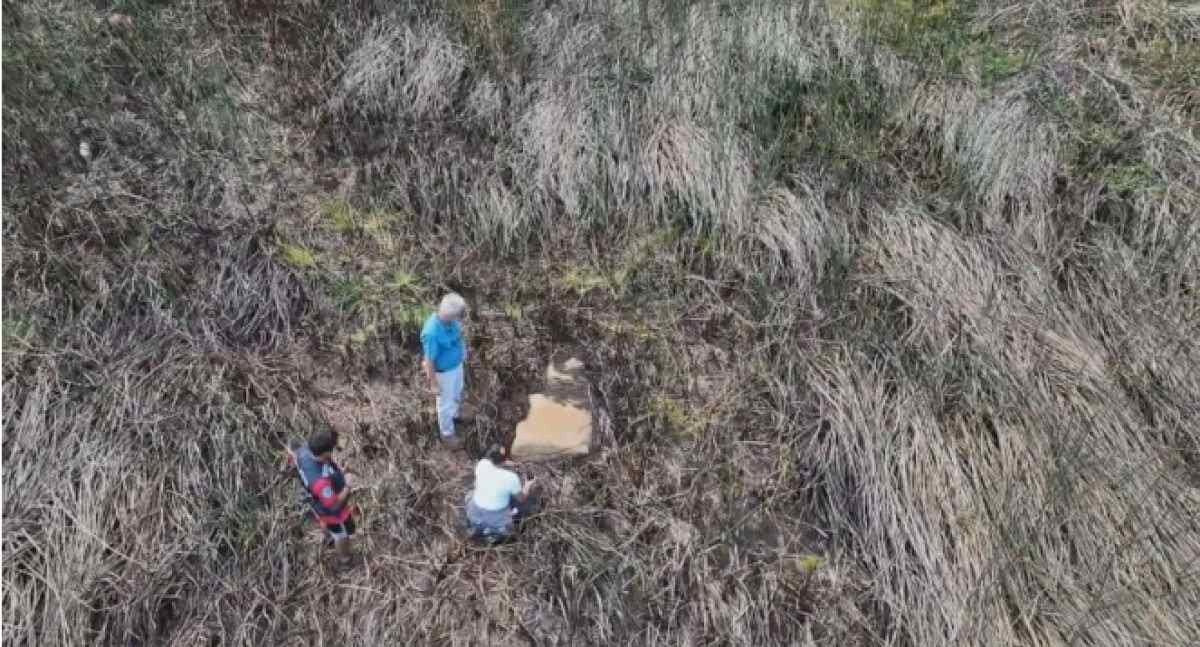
x,y
325,488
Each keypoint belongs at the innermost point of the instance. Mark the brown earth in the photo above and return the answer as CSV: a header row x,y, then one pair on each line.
x,y
560,420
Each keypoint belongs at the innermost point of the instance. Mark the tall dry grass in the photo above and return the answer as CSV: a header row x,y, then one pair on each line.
x,y
891,309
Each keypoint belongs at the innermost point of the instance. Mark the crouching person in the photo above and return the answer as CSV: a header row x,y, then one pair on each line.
x,y
325,489
499,501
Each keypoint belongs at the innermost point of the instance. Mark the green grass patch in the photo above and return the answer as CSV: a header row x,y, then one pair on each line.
x,y
938,35
64,64
998,63
933,32
838,118
339,214
403,281
350,293
514,311
672,412
1129,176
582,280
810,563
678,415
297,256
18,333
51,57
1171,66
378,227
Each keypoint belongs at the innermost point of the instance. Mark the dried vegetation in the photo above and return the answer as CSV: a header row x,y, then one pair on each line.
x,y
890,307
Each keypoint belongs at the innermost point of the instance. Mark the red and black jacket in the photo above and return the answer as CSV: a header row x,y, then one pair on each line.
x,y
323,482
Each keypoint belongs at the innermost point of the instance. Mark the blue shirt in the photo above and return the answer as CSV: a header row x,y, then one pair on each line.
x,y
442,343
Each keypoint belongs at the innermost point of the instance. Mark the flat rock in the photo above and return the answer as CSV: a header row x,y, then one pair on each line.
x,y
559,421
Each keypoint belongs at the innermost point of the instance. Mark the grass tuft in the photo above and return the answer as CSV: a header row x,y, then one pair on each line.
x,y
297,256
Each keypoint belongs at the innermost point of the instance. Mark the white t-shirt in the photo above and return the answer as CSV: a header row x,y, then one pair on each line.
x,y
494,486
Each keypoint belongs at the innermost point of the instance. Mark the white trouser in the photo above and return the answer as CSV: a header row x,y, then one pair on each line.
x,y
450,389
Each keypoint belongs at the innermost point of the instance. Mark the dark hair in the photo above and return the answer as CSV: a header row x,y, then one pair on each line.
x,y
322,441
496,453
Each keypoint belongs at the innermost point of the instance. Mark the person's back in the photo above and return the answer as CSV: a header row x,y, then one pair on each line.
x,y
325,487
498,496
322,481
494,486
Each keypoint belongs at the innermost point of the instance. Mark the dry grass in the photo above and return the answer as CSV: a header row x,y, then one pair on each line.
x,y
891,310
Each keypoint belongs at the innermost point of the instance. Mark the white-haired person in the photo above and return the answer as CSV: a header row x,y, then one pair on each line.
x,y
444,350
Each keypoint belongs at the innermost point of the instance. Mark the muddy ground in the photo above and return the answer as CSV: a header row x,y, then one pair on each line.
x,y
657,386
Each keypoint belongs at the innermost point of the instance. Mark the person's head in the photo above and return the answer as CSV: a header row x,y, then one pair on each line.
x,y
322,443
496,453
452,307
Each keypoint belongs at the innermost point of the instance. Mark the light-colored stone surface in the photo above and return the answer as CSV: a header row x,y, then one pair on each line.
x,y
559,421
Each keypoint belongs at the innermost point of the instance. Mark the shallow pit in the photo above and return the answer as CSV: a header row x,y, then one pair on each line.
x,y
559,422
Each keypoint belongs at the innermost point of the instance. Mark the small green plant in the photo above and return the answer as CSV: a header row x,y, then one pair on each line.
x,y
678,415
582,280
999,63
670,410
810,563
349,293
378,226
297,256
403,281
514,311
340,214
18,332
933,32
1102,135
1171,66
1130,176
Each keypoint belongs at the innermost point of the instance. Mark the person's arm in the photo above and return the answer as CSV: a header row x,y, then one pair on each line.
x,y
430,375
522,492
429,351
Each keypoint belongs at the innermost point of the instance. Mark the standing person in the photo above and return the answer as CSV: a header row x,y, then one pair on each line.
x,y
499,501
444,351
325,488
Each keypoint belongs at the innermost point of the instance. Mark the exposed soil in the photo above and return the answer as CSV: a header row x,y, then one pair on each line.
x,y
560,419
387,422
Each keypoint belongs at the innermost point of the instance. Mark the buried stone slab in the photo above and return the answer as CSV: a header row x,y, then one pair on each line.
x,y
560,420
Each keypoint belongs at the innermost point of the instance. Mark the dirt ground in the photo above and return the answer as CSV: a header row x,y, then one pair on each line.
x,y
388,432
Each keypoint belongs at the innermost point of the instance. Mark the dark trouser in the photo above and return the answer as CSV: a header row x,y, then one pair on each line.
x,y
340,532
499,522
524,509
